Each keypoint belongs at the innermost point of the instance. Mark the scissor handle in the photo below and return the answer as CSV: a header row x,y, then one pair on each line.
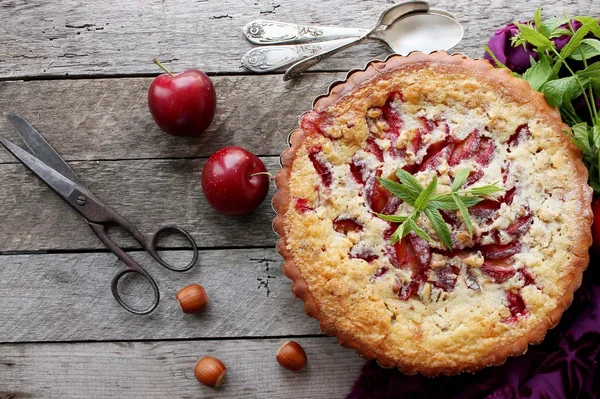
x,y
131,266
152,250
115,290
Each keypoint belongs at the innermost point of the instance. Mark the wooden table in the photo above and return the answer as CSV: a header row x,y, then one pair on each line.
x,y
79,71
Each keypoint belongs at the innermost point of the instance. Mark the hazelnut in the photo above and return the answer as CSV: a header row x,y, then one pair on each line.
x,y
210,371
192,299
291,356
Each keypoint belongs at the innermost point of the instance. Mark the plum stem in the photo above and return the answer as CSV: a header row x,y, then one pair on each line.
x,y
262,173
161,66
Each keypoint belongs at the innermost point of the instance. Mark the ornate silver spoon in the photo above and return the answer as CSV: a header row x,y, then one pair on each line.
x,y
265,59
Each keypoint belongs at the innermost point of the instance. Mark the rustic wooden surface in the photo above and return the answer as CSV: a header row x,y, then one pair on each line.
x,y
79,71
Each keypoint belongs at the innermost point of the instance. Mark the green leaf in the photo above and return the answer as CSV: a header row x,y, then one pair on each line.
x,y
410,182
560,90
392,218
595,86
446,202
554,23
418,231
580,137
399,190
538,74
558,32
485,191
460,179
541,42
596,135
401,231
589,51
539,26
464,212
423,200
592,71
575,41
439,225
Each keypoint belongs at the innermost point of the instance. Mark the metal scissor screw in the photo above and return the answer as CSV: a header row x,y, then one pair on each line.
x,y
81,200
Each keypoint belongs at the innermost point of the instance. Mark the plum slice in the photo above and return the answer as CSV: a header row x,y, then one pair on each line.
x,y
356,169
516,306
394,120
372,148
498,251
519,136
465,149
320,166
521,225
446,277
378,198
346,225
302,205
500,271
411,252
362,254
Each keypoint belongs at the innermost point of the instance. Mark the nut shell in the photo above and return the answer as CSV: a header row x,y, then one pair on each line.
x,y
291,356
210,371
192,299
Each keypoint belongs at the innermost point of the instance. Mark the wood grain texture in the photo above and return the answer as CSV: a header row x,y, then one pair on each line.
x,y
45,38
150,193
108,119
165,370
66,297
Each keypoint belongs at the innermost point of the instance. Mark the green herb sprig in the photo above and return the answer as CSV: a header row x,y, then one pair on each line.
x,y
555,76
426,200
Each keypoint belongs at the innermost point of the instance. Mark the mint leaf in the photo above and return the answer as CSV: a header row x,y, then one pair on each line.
x,y
589,48
499,64
485,191
402,230
392,218
410,182
539,26
399,190
575,41
423,200
554,23
592,71
538,74
558,32
418,231
464,212
560,90
446,202
580,137
530,35
460,179
596,135
439,225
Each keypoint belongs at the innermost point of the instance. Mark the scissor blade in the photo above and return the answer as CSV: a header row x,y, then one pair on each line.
x,y
56,181
40,147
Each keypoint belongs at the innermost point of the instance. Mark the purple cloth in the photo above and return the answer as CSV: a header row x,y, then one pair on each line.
x,y
517,59
563,366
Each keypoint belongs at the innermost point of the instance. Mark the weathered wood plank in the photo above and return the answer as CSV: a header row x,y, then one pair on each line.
x,y
105,38
165,370
66,297
109,118
150,193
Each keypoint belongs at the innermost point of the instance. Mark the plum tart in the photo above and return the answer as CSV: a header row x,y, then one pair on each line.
x,y
417,304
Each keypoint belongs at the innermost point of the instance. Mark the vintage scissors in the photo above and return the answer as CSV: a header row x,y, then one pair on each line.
x,y
47,165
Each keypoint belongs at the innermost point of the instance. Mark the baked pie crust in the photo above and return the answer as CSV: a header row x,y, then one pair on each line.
x,y
414,305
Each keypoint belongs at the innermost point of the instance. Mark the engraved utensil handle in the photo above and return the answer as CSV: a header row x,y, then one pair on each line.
x,y
273,32
306,63
266,59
